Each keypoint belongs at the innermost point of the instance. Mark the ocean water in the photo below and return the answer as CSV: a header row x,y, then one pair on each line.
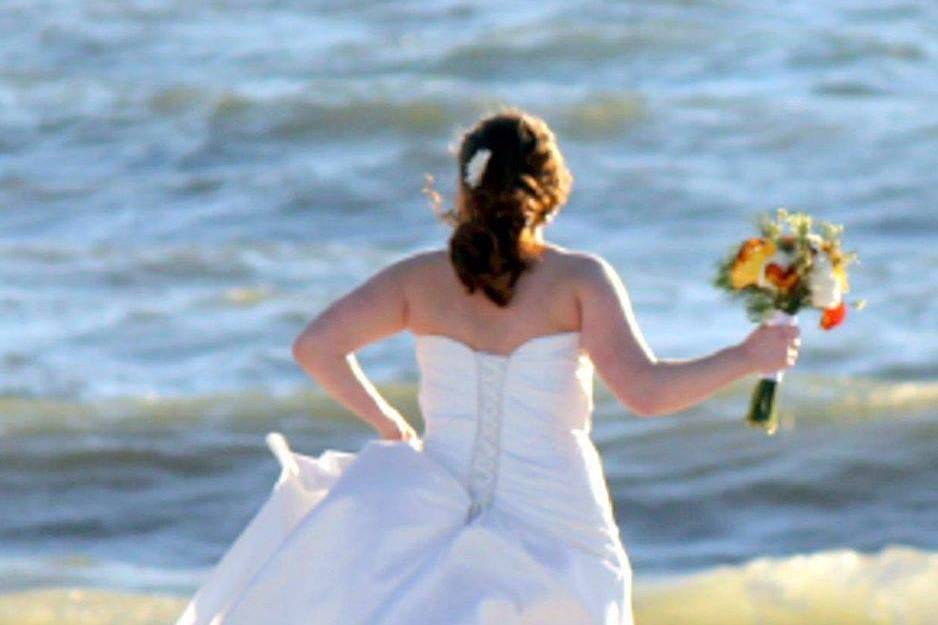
x,y
184,185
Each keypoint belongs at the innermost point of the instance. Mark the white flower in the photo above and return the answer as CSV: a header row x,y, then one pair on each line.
x,y
476,167
815,241
826,291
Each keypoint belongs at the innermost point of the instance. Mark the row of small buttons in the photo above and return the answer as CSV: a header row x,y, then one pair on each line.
x,y
483,466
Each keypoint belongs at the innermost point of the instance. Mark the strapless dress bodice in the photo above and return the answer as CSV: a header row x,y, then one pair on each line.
x,y
515,430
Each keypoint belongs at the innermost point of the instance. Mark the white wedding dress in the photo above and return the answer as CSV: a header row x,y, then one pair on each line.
x,y
499,516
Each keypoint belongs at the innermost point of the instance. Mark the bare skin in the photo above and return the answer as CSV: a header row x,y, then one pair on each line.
x,y
566,291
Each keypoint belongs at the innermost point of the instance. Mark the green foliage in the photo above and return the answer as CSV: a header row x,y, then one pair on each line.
x,y
759,303
769,227
724,271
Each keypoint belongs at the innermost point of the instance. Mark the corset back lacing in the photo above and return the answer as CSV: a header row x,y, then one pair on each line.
x,y
486,447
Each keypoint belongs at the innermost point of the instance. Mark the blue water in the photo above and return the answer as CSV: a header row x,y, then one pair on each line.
x,y
183,186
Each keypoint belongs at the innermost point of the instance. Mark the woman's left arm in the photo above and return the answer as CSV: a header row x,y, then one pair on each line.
x,y
325,349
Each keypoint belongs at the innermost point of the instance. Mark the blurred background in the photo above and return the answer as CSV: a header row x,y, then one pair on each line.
x,y
183,185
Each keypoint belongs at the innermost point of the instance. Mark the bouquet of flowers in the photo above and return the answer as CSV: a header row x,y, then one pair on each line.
x,y
788,268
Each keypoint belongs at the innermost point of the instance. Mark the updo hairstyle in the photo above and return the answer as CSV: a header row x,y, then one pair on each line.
x,y
512,178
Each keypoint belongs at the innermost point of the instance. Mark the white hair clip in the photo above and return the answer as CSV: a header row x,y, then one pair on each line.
x,y
476,167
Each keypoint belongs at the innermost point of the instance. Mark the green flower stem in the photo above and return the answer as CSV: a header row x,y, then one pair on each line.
x,y
763,411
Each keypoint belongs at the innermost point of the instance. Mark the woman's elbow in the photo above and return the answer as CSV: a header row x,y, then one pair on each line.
x,y
300,349
638,400
305,347
643,397
317,346
644,406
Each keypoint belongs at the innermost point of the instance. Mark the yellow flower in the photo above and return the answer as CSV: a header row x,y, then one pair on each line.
x,y
749,261
839,264
840,272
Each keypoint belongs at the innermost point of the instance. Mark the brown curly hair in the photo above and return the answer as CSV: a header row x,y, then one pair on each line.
x,y
524,182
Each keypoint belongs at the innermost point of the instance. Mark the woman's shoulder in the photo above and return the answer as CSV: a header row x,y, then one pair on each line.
x,y
417,267
422,260
581,266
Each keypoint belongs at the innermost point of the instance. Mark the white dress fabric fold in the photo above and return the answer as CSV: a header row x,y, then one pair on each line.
x,y
500,515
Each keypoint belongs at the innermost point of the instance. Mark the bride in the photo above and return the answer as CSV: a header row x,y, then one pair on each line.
x,y
499,514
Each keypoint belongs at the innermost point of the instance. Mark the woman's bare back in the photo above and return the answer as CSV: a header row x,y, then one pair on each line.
x,y
544,302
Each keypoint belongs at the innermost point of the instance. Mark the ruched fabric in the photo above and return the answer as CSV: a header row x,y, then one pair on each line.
x,y
498,516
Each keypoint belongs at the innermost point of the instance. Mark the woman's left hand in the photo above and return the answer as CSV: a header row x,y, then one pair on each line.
x,y
396,429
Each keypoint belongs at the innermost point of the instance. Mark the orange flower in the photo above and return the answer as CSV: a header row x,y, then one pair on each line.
x,y
832,317
784,280
749,261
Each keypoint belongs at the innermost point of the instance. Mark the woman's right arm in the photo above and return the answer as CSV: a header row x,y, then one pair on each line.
x,y
651,386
